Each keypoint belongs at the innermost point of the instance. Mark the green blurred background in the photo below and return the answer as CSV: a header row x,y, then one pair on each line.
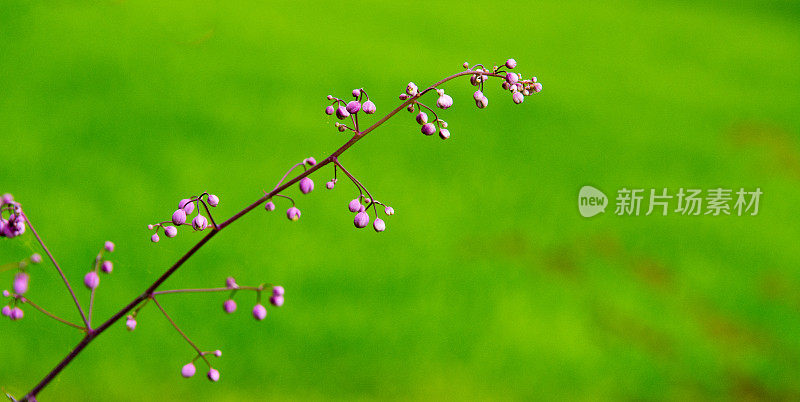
x,y
487,284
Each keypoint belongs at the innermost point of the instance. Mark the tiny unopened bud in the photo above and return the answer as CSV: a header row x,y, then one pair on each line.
x,y
36,258
506,85
6,311
306,185
388,211
403,96
16,314
213,375
537,87
229,306
474,80
353,107
477,95
109,246
179,217
465,65
354,205
379,225
107,267
410,107
329,185
444,101
422,118
269,206
199,222
259,312
188,370
428,129
511,63
330,97
368,107
439,91
150,227
310,161
186,205
356,93
276,301
91,280
293,213
482,102
154,238
361,220
170,231
512,78
130,323
329,110
278,291
342,113
6,293
230,283
218,353
444,133
213,200
518,97
21,283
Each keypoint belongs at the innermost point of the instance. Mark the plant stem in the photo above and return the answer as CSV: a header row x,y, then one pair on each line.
x,y
58,268
51,315
148,293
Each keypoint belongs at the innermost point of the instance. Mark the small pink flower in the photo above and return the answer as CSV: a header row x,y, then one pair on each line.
x,y
259,312
188,370
91,280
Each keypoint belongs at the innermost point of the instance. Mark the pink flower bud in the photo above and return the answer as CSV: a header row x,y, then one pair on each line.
x,y
278,291
109,246
342,113
259,312
179,217
511,63
230,283
329,185
444,133
518,97
213,375
422,118
537,87
482,102
171,231
188,370
276,301
16,314
444,101
310,161
107,267
154,238
329,110
477,95
388,211
21,283
411,89
130,323
293,214
6,311
353,107
379,225
368,107
354,205
213,200
199,222
186,205
512,78
229,306
306,185
269,206
36,258
91,280
361,220
428,129
218,353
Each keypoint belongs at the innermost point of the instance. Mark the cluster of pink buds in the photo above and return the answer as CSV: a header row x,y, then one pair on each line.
x,y
306,185
181,216
259,311
189,369
14,225
428,127
20,287
343,109
92,278
512,82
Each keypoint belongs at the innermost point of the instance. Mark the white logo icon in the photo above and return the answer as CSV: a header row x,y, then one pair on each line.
x,y
591,201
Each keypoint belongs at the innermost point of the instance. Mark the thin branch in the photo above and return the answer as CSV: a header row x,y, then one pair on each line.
x,y
60,272
51,315
199,352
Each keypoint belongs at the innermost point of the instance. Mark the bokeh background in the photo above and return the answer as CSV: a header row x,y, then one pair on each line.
x,y
487,284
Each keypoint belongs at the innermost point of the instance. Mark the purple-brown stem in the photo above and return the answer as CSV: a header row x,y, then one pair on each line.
x,y
148,293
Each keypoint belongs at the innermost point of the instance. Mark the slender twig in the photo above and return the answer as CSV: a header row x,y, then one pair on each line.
x,y
51,315
199,352
358,183
94,333
91,298
58,268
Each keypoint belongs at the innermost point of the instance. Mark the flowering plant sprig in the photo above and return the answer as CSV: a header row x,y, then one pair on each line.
x,y
13,220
